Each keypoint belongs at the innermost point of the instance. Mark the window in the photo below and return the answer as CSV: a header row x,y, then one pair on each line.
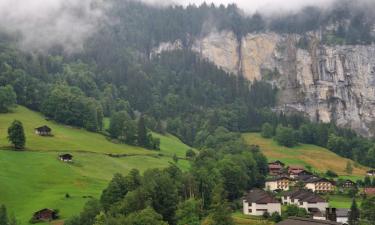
x,y
250,210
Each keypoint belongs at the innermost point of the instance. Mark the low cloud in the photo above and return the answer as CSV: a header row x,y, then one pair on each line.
x,y
42,24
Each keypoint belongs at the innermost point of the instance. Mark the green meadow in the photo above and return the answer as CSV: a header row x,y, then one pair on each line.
x,y
320,159
34,179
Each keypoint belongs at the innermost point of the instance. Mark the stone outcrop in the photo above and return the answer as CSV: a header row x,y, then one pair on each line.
x,y
326,83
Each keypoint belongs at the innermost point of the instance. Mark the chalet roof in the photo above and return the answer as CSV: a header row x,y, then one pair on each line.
x,y
277,162
278,178
44,128
296,167
371,171
304,196
67,155
305,221
275,166
43,210
260,196
312,179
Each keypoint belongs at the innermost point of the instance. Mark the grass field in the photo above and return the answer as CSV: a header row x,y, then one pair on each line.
x,y
241,219
318,158
36,179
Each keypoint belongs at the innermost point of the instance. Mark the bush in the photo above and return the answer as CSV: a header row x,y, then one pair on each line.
x,y
286,136
330,173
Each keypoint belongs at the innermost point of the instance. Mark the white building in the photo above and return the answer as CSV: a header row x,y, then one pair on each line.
x,y
305,199
278,183
258,201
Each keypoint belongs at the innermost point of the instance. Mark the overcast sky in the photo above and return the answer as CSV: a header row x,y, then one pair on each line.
x,y
252,5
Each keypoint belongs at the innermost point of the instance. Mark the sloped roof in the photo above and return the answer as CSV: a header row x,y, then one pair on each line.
x,y
304,196
260,196
44,128
305,221
278,178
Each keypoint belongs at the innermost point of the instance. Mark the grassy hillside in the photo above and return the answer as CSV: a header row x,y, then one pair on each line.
x,y
36,179
318,158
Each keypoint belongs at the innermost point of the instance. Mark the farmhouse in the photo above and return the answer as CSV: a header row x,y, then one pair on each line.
x,y
258,201
348,184
66,157
305,199
275,168
278,183
371,173
45,215
43,131
306,221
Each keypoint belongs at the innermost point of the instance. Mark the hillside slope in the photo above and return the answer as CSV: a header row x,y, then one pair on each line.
x,y
34,179
318,158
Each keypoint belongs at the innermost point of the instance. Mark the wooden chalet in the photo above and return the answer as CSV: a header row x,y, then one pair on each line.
x,y
371,173
295,171
348,184
66,157
43,131
275,168
45,215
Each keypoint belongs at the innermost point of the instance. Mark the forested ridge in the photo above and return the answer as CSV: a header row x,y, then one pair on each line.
x,y
176,92
180,93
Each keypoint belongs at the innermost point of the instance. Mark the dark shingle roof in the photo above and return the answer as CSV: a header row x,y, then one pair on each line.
x,y
259,196
278,178
304,196
44,128
305,221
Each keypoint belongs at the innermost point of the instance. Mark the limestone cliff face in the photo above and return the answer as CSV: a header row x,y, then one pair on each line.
x,y
326,83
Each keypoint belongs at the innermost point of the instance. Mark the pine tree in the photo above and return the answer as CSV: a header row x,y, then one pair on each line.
x,y
3,215
16,135
354,214
142,133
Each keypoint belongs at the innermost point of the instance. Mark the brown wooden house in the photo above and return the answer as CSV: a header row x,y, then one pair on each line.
x,y
43,131
66,157
275,168
45,215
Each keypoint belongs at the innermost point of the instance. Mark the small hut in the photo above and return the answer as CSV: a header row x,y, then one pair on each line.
x,y
43,131
66,157
45,215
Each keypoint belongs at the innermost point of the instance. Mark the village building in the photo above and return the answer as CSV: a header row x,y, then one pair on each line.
x,y
342,215
278,183
306,221
348,184
66,157
43,131
305,199
371,173
369,191
275,168
321,185
295,171
333,214
45,215
258,201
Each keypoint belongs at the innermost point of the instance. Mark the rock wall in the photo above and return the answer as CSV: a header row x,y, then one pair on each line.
x,y
326,83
